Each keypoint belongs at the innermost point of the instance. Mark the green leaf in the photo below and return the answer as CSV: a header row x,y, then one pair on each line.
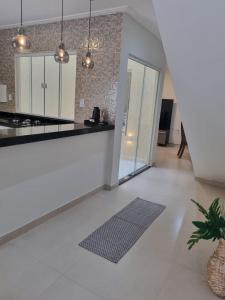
x,y
201,208
213,228
199,225
214,210
192,242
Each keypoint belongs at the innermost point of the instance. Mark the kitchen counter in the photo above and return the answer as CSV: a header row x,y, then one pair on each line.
x,y
40,179
15,136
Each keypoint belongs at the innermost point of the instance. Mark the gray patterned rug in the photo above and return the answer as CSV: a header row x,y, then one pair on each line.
x,y
115,238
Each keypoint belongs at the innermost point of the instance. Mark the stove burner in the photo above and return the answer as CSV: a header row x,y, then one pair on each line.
x,y
26,122
15,121
36,122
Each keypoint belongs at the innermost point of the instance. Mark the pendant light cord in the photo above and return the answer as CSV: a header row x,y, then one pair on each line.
x,y
62,22
89,30
21,15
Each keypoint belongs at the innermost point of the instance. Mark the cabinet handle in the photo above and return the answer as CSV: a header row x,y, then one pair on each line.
x,y
44,85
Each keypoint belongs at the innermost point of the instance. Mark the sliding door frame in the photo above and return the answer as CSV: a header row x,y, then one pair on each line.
x,y
149,164
149,65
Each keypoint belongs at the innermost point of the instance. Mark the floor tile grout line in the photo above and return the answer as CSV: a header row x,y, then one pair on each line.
x,y
175,264
57,278
72,281
39,260
83,286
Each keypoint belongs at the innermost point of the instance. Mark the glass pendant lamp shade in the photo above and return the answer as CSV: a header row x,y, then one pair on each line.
x,y
88,62
21,42
61,55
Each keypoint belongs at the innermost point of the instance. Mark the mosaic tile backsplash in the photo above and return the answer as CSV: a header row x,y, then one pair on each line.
x,y
98,87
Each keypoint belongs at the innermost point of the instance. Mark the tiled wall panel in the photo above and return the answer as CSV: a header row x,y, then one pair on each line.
x,y
98,87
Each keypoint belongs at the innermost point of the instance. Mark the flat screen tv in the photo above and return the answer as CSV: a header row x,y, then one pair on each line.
x,y
166,114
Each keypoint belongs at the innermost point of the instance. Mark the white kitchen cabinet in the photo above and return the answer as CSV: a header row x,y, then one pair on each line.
x,y
23,80
37,90
44,87
68,82
52,87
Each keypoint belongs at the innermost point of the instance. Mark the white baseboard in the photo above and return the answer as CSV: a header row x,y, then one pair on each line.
x,y
16,233
211,182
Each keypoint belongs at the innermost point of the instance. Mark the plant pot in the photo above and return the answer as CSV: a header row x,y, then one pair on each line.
x,y
216,270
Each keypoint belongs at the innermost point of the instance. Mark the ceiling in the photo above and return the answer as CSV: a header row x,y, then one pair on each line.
x,y
49,10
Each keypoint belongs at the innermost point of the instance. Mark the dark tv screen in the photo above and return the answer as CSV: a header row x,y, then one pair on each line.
x,y
166,114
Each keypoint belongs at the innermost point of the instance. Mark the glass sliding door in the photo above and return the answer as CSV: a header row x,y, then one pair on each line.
x,y
131,118
146,120
138,119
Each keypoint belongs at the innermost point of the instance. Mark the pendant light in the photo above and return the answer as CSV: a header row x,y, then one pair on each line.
x,y
87,61
61,55
21,42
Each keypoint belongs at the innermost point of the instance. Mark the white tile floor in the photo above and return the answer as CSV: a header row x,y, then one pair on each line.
x,y
128,166
46,263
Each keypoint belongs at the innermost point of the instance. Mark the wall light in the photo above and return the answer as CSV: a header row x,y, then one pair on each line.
x,y
61,55
88,61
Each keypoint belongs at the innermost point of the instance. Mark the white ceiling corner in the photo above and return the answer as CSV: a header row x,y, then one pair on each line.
x,y
44,11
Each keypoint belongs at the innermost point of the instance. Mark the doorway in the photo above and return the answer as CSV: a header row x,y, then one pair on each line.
x,y
138,122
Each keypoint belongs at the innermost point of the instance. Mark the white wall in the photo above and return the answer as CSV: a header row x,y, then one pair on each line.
x,y
193,37
139,42
169,93
37,178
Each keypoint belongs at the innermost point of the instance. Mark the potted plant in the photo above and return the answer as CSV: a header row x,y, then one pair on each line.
x,y
213,228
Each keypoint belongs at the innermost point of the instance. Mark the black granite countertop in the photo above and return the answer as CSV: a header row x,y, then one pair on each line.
x,y
16,136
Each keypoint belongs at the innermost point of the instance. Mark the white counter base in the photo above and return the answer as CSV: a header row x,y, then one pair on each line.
x,y
39,178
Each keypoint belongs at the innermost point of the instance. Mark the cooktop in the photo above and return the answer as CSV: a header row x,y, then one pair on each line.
x,y
18,120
